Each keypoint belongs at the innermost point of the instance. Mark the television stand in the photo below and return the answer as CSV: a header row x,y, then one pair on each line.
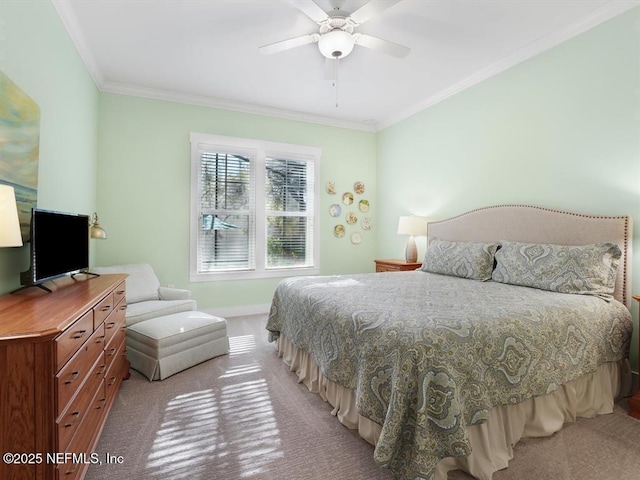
x,y
39,285
44,287
84,272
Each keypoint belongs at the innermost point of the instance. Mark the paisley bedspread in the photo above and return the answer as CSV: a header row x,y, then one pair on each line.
x,y
429,354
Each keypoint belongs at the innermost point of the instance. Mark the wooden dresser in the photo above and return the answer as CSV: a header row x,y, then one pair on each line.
x,y
395,265
62,360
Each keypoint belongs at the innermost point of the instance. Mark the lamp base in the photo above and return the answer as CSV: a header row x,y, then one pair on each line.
x,y
411,252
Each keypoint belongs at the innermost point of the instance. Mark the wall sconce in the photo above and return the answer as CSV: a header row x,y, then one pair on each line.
x,y
95,230
412,226
10,235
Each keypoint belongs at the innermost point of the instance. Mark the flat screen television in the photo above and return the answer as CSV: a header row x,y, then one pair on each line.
x,y
59,246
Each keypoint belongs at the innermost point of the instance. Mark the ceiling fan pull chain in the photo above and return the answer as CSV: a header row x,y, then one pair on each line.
x,y
335,76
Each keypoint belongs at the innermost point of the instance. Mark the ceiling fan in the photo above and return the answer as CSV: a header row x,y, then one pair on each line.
x,y
336,37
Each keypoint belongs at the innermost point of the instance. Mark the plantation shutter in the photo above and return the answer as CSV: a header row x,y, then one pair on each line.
x,y
253,209
289,210
226,237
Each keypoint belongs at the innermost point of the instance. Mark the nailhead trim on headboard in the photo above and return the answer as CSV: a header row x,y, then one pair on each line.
x,y
627,235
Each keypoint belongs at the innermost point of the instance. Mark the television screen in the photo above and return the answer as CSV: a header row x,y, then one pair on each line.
x,y
59,244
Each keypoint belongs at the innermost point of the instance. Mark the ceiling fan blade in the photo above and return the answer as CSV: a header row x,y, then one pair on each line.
x,y
385,46
371,9
311,10
331,68
288,44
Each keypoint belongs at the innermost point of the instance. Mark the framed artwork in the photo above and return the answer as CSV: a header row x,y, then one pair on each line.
x,y
19,148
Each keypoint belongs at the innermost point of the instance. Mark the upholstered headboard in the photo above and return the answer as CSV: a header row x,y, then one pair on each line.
x,y
525,223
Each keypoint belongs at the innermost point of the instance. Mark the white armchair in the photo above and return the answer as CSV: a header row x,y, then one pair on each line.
x,y
145,297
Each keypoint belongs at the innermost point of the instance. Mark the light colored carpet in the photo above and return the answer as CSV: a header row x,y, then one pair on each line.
x,y
243,416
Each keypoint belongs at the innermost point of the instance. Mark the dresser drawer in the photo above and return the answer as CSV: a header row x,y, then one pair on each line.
x,y
69,341
396,265
116,373
102,310
85,437
111,350
388,268
119,294
115,321
68,423
71,377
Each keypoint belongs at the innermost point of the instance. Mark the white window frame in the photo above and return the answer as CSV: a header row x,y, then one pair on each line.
x,y
259,150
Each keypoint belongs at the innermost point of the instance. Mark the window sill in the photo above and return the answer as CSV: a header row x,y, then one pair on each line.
x,y
250,275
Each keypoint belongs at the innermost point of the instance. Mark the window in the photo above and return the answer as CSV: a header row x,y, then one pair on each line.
x,y
254,208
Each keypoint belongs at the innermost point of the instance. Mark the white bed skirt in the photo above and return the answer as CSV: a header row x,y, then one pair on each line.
x,y
492,442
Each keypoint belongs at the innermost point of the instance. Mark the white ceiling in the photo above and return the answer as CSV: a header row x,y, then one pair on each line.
x,y
206,52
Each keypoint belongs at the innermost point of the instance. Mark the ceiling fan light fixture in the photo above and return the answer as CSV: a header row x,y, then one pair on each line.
x,y
336,44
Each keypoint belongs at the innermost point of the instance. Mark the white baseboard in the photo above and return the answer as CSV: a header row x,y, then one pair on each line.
x,y
242,311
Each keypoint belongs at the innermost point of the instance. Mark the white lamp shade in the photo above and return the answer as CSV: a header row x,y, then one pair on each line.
x,y
336,44
416,226
10,235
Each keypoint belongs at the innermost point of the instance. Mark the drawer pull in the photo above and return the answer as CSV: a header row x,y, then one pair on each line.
x,y
111,351
112,380
119,292
110,325
100,370
76,416
72,378
102,401
106,308
73,470
80,334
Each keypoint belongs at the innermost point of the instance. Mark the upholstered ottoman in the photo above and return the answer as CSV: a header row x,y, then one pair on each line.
x,y
162,346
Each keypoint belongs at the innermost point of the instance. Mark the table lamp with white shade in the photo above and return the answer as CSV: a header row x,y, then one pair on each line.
x,y
10,235
413,226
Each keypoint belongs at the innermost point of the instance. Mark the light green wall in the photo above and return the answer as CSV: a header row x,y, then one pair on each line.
x,y
144,183
38,55
560,130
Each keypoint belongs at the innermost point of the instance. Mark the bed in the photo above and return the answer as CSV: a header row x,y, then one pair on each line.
x,y
517,322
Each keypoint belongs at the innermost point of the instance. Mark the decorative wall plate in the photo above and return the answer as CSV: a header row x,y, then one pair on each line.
x,y
335,210
331,188
347,198
338,231
358,187
356,238
366,223
352,218
363,205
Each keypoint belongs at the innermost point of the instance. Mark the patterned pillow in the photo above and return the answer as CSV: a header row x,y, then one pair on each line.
x,y
460,259
587,269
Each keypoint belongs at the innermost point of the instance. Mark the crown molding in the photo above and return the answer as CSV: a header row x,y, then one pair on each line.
x,y
211,102
598,16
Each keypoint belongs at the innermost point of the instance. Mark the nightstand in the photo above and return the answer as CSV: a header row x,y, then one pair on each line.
x,y
634,402
395,266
